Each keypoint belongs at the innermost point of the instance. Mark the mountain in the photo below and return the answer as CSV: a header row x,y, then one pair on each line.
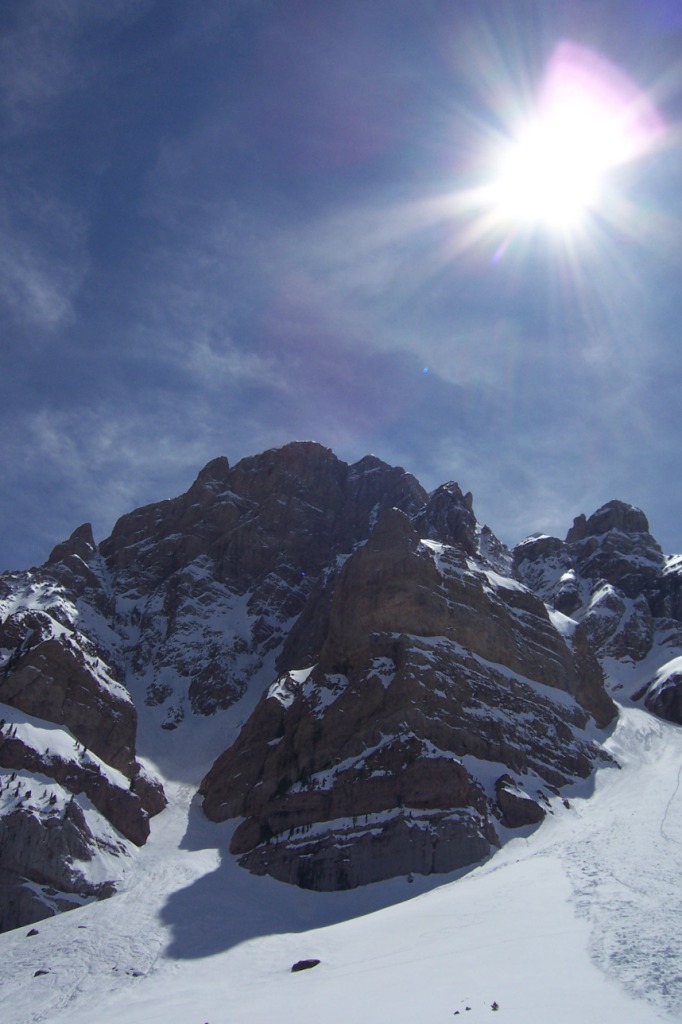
x,y
611,576
354,673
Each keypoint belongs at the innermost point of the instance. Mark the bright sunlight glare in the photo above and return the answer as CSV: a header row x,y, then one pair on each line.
x,y
553,172
554,168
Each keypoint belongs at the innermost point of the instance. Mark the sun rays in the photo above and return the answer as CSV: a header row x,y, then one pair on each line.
x,y
589,120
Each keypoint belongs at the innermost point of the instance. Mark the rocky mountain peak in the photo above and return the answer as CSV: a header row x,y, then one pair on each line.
x,y
612,545
407,696
365,763
616,546
610,575
81,543
295,467
448,517
214,472
614,515
393,529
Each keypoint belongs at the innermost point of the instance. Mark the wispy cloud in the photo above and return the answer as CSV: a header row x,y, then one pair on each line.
x,y
42,57
43,259
96,465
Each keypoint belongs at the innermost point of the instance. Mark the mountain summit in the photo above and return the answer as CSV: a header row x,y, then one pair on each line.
x,y
356,672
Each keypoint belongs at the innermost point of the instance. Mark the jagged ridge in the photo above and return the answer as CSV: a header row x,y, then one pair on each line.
x,y
423,692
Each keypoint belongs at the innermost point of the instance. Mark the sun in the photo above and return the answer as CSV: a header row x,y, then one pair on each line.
x,y
554,167
553,174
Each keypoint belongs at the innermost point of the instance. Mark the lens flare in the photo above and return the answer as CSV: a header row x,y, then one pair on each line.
x,y
552,162
590,118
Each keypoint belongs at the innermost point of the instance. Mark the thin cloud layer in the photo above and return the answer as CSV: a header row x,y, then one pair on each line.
x,y
231,225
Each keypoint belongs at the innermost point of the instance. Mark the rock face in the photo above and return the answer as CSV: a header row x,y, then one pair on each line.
x,y
612,577
413,693
251,543
53,675
434,674
613,545
182,606
604,574
39,876
71,787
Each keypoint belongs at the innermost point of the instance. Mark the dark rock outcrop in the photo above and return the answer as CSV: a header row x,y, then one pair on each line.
x,y
42,857
448,517
53,677
614,545
664,697
128,808
185,602
517,807
665,596
304,965
610,576
605,575
258,539
365,766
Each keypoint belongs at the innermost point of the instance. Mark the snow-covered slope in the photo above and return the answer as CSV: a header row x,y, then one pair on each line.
x,y
578,922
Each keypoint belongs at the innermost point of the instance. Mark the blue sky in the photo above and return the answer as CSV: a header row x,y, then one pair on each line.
x,y
227,225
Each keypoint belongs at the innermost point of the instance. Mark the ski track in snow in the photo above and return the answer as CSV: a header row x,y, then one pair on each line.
x,y
117,937
582,921
625,873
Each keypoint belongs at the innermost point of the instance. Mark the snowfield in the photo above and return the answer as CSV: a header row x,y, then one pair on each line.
x,y
579,922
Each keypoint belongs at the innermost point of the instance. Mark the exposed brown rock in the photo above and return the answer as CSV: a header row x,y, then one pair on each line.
x,y
365,751
63,665
295,504
45,851
48,677
127,809
517,808
304,965
666,701
608,575
393,583
268,530
614,544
